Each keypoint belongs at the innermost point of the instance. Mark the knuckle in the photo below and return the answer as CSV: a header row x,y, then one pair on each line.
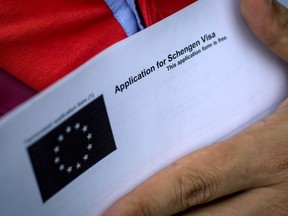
x,y
196,187
144,209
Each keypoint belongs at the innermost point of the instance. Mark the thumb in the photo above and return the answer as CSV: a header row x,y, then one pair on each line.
x,y
268,20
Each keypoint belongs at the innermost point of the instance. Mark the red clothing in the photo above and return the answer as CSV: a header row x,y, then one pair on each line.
x,y
156,10
41,41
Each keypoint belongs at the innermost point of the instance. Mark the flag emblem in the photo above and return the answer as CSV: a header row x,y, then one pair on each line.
x,y
71,148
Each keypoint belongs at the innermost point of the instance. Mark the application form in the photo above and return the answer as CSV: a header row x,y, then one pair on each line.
x,y
184,83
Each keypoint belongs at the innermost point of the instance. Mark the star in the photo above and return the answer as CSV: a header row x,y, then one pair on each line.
x,y
56,149
61,167
60,138
77,126
85,157
85,128
78,165
89,147
68,129
57,160
89,136
69,170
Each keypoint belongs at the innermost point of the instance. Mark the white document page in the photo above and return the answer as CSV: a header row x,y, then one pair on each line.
x,y
175,87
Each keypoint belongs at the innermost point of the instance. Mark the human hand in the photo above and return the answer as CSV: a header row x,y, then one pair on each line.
x,y
245,175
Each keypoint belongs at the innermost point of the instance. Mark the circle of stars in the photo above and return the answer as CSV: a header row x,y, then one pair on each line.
x,y
69,168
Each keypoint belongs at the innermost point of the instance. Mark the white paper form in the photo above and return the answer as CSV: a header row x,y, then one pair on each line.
x,y
175,87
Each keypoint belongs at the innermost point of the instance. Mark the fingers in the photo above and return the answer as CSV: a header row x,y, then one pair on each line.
x,y
256,158
262,201
268,20
198,178
253,159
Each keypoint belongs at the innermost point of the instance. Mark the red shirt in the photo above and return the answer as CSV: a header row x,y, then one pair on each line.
x,y
41,41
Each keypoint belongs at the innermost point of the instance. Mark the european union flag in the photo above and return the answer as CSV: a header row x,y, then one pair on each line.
x,y
71,148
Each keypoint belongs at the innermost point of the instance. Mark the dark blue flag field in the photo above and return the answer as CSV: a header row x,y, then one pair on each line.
x,y
71,148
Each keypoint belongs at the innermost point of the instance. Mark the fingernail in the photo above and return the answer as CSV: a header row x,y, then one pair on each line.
x,y
269,2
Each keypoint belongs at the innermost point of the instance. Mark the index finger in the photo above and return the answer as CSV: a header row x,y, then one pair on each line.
x,y
200,177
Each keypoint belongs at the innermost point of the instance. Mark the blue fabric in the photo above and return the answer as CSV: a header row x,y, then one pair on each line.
x,y
133,7
125,16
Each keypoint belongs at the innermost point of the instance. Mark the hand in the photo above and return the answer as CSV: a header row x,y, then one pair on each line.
x,y
245,175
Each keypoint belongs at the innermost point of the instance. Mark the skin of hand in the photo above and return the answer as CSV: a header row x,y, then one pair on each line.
x,y
245,175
